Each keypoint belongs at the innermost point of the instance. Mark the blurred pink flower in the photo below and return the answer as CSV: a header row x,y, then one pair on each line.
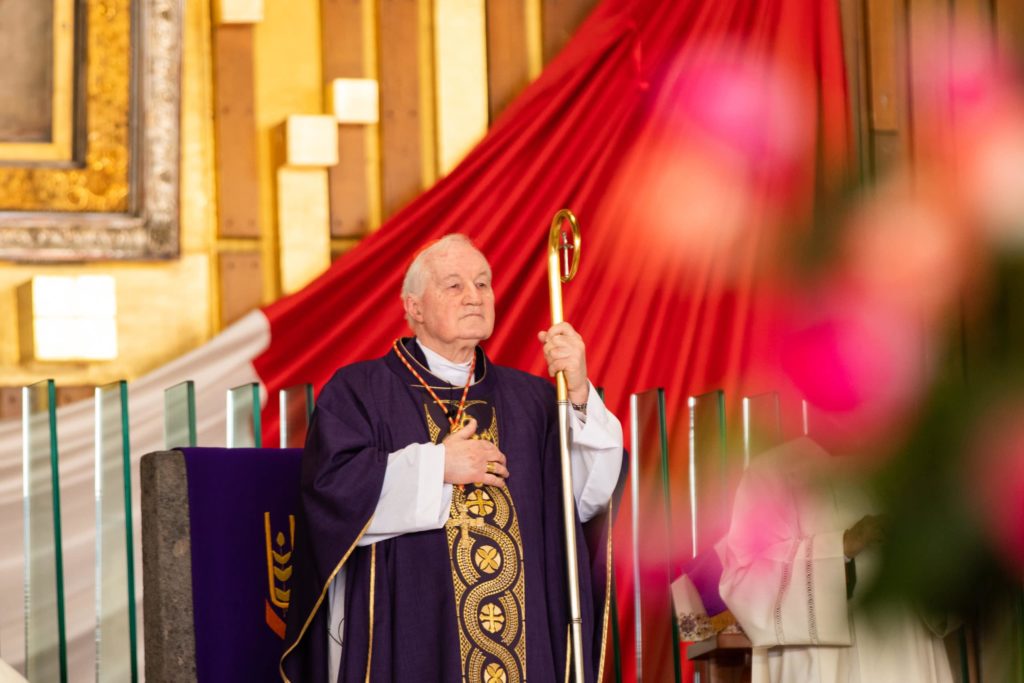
x,y
906,248
993,178
859,364
998,481
756,110
969,120
726,151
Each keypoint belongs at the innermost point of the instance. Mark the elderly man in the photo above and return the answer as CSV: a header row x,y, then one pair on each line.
x,y
430,544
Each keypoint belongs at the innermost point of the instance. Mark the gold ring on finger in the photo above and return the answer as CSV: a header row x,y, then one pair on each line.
x,y
490,467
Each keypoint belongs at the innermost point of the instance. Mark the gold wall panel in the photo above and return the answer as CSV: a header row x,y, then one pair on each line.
x,y
289,80
198,179
460,55
349,53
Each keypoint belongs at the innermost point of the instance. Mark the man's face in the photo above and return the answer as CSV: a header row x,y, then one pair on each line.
x,y
457,304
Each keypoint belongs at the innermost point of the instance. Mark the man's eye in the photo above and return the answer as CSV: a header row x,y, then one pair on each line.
x,y
482,285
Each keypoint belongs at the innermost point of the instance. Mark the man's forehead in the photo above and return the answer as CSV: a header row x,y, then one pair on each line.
x,y
458,260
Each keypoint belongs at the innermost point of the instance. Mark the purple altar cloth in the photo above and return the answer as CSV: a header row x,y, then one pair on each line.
x,y
233,495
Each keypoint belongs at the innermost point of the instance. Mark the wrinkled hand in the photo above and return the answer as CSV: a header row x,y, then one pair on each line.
x,y
868,531
466,458
565,351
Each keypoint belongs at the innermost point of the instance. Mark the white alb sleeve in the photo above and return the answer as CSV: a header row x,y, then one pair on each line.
x,y
595,452
414,496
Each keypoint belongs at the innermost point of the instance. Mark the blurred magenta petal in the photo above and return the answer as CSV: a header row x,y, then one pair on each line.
x,y
726,152
757,111
969,121
859,366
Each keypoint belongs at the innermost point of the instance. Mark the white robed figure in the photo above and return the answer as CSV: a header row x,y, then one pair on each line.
x,y
786,573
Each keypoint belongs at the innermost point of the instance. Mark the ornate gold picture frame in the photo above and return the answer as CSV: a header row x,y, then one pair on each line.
x,y
111,188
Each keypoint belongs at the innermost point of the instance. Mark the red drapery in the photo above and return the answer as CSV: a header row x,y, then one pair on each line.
x,y
658,119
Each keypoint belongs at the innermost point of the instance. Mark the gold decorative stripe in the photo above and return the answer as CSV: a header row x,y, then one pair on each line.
x,y
607,594
277,596
373,581
319,600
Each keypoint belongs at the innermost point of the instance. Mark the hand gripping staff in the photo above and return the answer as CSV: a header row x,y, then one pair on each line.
x,y
560,270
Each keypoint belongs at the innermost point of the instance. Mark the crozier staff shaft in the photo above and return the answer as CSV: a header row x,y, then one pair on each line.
x,y
557,274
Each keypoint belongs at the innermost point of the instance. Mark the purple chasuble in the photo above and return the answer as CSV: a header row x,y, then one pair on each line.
x,y
482,599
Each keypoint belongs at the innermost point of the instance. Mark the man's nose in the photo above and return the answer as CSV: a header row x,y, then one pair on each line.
x,y
473,295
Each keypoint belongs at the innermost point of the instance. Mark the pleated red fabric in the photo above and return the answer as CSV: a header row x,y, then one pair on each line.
x,y
687,136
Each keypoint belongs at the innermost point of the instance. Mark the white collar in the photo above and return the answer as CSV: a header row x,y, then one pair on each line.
x,y
450,371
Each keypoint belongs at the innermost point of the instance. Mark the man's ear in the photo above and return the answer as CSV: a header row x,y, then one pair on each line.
x,y
413,310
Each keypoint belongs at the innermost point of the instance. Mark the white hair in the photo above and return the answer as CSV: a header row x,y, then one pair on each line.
x,y
416,277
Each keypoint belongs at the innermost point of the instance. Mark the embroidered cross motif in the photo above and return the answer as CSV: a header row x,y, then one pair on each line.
x,y
488,559
479,503
495,674
491,618
463,521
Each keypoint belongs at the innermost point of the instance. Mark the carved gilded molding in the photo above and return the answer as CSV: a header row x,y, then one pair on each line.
x,y
121,201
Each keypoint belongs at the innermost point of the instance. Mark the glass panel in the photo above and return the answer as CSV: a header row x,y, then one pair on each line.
x,y
180,415
244,416
762,424
115,581
709,490
657,646
45,647
296,406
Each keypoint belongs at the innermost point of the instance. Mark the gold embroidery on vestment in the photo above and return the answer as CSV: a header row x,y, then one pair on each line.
x,y
432,427
486,553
